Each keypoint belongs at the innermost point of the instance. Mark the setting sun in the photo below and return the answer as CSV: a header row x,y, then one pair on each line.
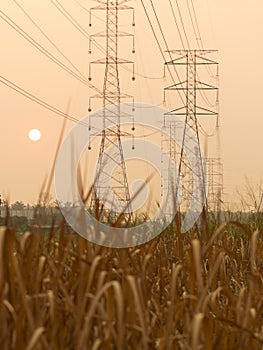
x,y
34,135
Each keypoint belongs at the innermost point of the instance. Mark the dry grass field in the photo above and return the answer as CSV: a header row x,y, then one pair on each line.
x,y
191,291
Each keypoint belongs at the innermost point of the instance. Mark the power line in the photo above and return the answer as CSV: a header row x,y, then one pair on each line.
x,y
177,25
159,46
46,36
182,22
75,23
40,48
86,35
197,33
39,101
167,48
199,38
202,130
166,44
50,56
71,19
48,106
182,42
158,43
87,10
202,93
197,25
80,28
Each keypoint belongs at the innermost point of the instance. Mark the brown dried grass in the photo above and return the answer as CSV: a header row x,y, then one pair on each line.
x,y
176,292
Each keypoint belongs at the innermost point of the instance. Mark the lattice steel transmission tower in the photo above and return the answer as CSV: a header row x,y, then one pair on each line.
x,y
110,189
190,111
172,150
215,181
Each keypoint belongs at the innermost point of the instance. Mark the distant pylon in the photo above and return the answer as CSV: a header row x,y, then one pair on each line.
x,y
111,187
172,150
215,184
190,110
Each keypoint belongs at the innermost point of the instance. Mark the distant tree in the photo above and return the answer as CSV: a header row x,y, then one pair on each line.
x,y
3,202
18,205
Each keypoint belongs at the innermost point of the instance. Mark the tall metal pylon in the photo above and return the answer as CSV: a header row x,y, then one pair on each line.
x,y
110,189
169,148
215,184
190,110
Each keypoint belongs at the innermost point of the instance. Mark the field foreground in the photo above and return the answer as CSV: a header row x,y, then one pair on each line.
x,y
191,291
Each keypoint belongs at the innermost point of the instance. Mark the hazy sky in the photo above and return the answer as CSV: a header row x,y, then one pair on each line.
x,y
233,27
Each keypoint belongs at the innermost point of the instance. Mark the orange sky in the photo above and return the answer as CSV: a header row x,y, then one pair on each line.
x,y
232,27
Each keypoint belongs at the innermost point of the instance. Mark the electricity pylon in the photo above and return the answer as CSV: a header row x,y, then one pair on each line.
x,y
194,165
215,181
111,187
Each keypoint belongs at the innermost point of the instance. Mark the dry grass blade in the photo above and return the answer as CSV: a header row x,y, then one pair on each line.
x,y
2,241
196,327
35,338
253,249
92,271
209,244
51,175
24,240
51,298
213,270
90,314
11,309
23,293
175,272
147,181
197,263
96,344
120,313
139,308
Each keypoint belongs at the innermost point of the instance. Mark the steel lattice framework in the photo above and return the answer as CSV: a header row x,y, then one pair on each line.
x,y
214,181
190,111
111,187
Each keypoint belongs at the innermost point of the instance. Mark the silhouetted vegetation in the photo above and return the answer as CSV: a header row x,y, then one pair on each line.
x,y
180,291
